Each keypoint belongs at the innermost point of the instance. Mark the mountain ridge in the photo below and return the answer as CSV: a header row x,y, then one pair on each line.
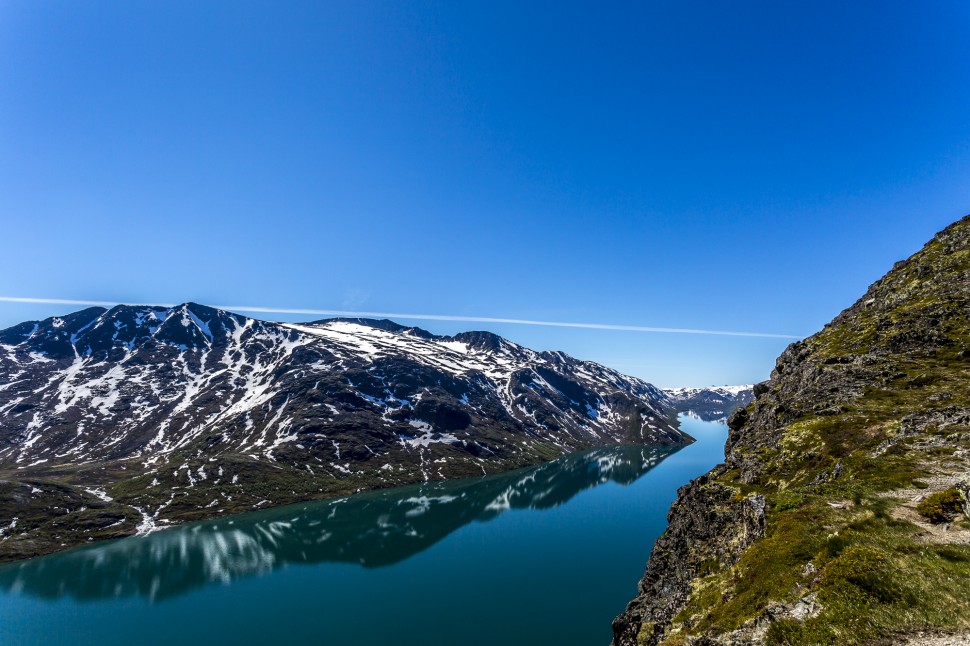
x,y
132,417
711,403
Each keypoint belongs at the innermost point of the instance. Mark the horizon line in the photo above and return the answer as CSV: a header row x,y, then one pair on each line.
x,y
418,317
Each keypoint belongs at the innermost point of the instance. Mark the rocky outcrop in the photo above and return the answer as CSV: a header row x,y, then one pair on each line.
x,y
875,404
709,525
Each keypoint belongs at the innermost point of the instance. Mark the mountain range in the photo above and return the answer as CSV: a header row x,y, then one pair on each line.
x,y
117,421
712,404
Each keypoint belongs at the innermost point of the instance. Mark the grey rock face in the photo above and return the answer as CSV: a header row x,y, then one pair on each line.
x,y
706,524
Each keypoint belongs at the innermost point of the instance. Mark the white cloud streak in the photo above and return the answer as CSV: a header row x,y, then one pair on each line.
x,y
416,317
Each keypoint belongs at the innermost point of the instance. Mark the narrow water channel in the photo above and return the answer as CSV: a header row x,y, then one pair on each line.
x,y
539,556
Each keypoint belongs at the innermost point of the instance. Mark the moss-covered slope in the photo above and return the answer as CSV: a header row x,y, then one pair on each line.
x,y
838,516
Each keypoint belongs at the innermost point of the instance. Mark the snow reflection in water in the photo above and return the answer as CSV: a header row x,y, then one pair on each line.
x,y
374,529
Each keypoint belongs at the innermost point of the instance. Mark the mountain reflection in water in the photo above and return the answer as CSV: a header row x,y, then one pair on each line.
x,y
372,529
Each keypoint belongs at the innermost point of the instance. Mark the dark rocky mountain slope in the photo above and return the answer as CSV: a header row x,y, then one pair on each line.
x,y
838,516
117,421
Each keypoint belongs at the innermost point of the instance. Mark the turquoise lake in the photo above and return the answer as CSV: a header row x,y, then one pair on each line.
x,y
547,555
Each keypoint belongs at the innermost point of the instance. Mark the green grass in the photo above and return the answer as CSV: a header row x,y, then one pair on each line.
x,y
871,577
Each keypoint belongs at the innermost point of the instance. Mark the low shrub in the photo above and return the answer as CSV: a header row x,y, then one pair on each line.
x,y
942,506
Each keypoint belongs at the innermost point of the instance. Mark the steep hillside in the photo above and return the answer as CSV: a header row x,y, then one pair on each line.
x,y
838,516
121,420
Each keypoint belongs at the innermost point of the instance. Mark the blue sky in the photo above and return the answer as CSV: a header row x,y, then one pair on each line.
x,y
726,166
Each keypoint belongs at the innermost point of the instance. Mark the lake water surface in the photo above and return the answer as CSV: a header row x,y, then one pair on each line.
x,y
547,555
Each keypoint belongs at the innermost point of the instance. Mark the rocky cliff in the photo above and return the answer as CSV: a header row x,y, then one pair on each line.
x,y
838,516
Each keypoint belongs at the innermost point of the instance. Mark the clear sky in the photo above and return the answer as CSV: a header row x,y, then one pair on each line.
x,y
740,166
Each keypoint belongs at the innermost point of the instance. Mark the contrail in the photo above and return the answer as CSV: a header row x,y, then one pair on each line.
x,y
418,317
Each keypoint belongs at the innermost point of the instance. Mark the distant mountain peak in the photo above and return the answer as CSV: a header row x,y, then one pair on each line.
x,y
713,403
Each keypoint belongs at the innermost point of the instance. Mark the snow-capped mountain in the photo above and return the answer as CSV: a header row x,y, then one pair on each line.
x,y
714,403
187,412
